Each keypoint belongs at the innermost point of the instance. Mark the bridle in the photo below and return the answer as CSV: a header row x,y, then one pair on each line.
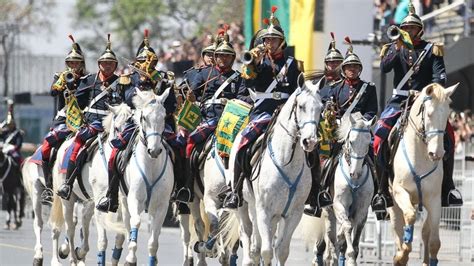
x,y
144,136
347,150
421,132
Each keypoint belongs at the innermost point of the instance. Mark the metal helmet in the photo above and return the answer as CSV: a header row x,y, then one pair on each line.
x,y
211,48
333,54
257,38
10,121
75,55
108,55
412,19
144,50
351,58
274,29
223,45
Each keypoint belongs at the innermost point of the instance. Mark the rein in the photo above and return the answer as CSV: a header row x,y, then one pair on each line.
x,y
423,135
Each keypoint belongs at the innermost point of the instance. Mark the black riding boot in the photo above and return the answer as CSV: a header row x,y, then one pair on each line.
x,y
184,183
234,199
109,203
317,198
47,195
65,189
382,200
450,195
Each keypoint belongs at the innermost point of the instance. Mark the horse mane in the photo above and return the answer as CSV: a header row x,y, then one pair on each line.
x,y
346,125
107,121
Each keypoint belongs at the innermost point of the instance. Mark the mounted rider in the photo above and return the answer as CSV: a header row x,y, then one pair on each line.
x,y
352,95
212,87
402,56
143,77
64,84
271,77
95,91
11,137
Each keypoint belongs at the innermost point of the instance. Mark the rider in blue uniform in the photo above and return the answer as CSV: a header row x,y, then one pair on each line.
x,y
211,87
59,131
269,63
400,58
145,78
93,94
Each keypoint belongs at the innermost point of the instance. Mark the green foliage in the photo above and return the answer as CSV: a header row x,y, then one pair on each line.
x,y
167,20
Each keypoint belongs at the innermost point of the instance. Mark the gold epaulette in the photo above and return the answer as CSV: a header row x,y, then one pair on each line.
x,y
384,49
438,49
249,72
124,79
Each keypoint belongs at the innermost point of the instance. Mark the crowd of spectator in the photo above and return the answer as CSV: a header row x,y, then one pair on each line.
x,y
463,125
390,12
190,50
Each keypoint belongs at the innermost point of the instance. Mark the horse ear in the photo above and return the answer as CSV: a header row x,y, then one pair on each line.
x,y
162,98
111,108
450,90
351,117
372,121
429,89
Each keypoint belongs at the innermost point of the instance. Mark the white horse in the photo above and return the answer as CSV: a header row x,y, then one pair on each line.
x,y
149,174
207,204
33,179
418,173
277,194
94,176
353,186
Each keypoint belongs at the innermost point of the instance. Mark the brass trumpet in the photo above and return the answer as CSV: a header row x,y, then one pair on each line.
x,y
248,57
393,33
68,76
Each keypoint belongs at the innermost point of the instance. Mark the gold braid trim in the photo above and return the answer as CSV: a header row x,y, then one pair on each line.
x,y
438,49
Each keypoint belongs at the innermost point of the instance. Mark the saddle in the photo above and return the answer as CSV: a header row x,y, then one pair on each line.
x,y
198,158
88,150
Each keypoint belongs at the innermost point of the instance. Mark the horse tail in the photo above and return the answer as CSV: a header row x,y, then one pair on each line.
x,y
311,230
228,231
56,218
112,221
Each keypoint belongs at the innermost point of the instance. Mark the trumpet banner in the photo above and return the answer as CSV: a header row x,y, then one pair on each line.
x,y
74,117
190,116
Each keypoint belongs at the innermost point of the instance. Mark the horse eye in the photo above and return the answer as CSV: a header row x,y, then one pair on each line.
x,y
302,108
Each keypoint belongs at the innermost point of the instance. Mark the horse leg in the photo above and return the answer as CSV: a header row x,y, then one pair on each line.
x,y
199,227
402,197
135,207
396,218
158,215
266,228
330,256
87,212
186,237
68,209
425,235
245,233
255,239
434,216
37,228
288,228
55,233
101,239
341,206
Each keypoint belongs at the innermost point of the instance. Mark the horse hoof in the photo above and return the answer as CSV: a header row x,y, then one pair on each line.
x,y
63,251
38,262
198,247
191,262
130,263
76,251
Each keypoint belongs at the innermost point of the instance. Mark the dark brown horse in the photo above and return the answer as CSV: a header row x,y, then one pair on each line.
x,y
12,191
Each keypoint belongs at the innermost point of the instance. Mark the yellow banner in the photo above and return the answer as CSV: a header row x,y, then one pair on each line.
x,y
301,28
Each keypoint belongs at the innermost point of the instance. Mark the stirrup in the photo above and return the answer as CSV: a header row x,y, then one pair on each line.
x,y
456,194
47,196
64,191
180,192
379,197
104,204
312,211
232,205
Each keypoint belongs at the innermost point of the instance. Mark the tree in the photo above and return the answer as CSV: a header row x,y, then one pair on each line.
x,y
15,17
167,20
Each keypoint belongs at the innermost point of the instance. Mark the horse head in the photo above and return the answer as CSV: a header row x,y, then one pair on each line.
x,y
356,137
429,116
150,116
306,110
116,120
